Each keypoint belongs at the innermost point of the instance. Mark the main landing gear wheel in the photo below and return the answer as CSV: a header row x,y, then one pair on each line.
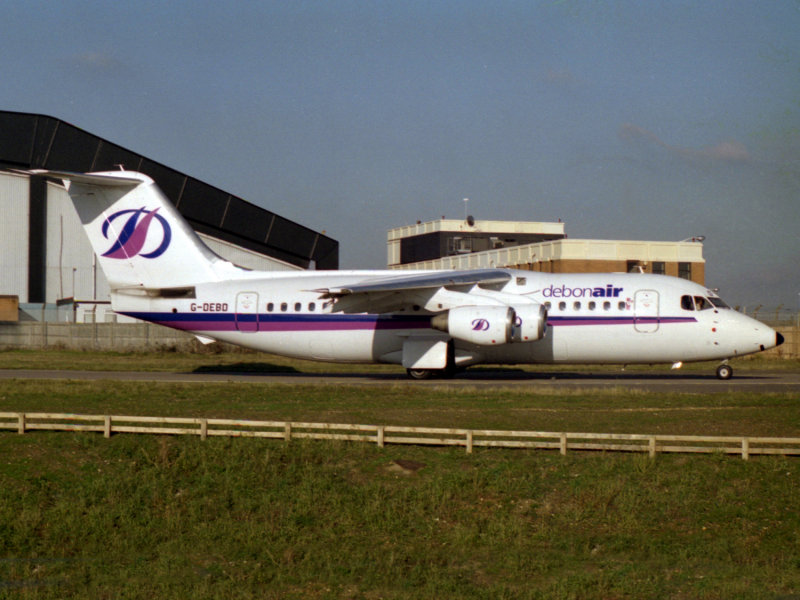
x,y
431,373
724,372
420,373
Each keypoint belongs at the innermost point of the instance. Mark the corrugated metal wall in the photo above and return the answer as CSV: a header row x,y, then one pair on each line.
x,y
69,269
14,205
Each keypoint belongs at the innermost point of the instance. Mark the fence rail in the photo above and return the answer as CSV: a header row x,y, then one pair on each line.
x,y
390,434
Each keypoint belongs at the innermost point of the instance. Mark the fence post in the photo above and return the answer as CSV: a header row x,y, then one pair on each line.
x,y
563,444
652,447
107,426
745,448
21,423
381,433
203,429
287,432
469,442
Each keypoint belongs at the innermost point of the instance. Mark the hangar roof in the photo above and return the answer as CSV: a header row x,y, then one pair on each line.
x,y
31,141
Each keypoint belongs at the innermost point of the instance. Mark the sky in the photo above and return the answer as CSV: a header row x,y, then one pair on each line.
x,y
626,120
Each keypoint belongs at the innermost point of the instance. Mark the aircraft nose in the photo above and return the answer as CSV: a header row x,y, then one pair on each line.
x,y
778,338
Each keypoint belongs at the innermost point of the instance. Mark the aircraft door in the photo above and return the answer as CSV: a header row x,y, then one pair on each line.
x,y
246,312
645,311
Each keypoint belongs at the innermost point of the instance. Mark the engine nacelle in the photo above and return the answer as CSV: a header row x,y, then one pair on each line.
x,y
482,325
531,322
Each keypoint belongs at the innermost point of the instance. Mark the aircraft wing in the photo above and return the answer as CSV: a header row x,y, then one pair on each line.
x,y
421,282
397,292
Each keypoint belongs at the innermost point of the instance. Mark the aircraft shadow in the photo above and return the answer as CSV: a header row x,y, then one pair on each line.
x,y
247,368
472,374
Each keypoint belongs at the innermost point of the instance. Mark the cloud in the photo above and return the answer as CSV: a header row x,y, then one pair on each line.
x,y
97,64
730,151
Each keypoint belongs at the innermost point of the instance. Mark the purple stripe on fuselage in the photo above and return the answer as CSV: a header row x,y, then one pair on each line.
x,y
339,322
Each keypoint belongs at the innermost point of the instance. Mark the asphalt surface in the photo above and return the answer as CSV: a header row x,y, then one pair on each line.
x,y
696,382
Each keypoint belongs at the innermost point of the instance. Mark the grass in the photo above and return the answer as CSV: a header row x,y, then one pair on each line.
x,y
147,517
604,411
176,517
214,359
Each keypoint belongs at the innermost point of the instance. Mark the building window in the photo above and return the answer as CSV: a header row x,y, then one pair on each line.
x,y
685,270
633,266
659,268
459,245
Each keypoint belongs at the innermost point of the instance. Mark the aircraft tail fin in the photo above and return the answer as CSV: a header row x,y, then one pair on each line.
x,y
140,238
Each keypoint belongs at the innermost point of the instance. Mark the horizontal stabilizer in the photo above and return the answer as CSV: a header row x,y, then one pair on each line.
x,y
108,179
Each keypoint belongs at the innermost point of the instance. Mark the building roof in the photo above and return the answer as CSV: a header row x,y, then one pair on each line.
x,y
31,141
479,226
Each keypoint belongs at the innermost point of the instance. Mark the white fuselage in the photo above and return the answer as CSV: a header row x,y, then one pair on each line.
x,y
591,318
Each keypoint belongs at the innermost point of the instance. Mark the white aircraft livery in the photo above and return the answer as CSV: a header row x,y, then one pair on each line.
x,y
430,322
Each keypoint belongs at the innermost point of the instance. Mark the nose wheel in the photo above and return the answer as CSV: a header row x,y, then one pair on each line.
x,y
724,372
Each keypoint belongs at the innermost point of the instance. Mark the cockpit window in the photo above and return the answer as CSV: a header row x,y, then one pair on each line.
x,y
718,302
702,303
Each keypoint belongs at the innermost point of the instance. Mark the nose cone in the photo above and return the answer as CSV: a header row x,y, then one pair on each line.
x,y
778,338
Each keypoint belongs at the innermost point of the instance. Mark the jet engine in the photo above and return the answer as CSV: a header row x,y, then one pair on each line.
x,y
482,325
530,323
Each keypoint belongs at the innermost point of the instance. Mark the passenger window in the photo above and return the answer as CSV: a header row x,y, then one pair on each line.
x,y
621,305
576,306
312,307
592,305
298,307
687,303
284,307
270,307
562,306
548,305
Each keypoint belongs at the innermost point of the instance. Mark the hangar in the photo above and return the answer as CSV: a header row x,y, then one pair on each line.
x,y
44,254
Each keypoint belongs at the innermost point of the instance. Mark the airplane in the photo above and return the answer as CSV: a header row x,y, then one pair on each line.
x,y
430,322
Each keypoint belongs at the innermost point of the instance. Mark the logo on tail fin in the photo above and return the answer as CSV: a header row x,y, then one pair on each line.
x,y
132,238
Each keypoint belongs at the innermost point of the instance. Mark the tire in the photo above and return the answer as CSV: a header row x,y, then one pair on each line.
x,y
420,374
724,372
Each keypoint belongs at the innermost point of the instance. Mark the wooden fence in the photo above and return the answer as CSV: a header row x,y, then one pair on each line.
x,y
391,434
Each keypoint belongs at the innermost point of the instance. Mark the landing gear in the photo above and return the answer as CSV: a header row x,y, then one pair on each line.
x,y
724,372
420,374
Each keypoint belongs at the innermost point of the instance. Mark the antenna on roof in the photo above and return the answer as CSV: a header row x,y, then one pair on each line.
x,y
466,201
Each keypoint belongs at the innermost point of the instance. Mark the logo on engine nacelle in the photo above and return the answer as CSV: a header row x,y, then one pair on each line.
x,y
480,325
